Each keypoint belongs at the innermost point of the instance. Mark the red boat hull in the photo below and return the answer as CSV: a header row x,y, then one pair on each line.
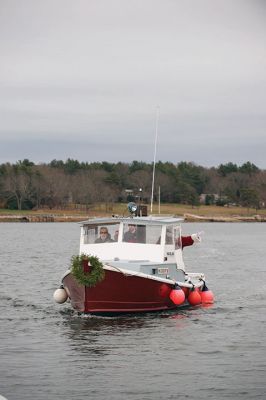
x,y
120,293
127,293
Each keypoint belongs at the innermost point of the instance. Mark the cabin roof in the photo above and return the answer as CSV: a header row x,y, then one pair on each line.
x,y
151,220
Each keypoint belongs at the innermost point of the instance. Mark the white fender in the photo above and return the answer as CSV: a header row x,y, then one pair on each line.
x,y
60,295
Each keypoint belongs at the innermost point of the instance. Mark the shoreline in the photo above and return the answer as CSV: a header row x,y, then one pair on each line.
x,y
42,218
235,218
78,218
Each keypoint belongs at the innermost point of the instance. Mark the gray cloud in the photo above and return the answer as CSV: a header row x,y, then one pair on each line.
x,y
90,74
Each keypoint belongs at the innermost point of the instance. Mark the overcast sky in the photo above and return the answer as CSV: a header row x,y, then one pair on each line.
x,y
83,79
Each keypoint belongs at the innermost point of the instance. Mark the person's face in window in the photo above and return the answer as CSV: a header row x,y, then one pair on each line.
x,y
132,228
103,233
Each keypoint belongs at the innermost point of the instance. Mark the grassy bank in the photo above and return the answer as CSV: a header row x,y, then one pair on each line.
x,y
75,214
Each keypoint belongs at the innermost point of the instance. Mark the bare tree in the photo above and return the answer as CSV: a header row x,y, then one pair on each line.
x,y
17,184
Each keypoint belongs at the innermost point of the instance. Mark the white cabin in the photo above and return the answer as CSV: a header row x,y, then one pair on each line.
x,y
156,240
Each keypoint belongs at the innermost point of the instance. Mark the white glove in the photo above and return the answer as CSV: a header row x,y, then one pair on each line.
x,y
196,237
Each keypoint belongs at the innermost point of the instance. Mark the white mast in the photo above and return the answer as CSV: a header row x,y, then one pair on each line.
x,y
154,156
159,199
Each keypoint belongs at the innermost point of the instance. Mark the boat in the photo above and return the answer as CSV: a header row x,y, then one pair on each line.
x,y
132,264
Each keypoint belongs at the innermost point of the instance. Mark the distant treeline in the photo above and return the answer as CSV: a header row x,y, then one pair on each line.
x,y
59,184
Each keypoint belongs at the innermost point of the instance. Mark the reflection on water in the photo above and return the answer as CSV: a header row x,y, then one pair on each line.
x,y
102,335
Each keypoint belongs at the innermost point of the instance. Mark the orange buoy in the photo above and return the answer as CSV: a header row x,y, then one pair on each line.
x,y
207,296
194,297
177,296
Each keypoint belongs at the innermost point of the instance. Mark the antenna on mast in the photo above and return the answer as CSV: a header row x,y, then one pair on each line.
x,y
154,156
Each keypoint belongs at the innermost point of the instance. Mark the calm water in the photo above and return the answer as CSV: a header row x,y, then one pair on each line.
x,y
46,352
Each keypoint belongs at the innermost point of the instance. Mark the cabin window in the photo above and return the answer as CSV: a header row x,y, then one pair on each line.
x,y
169,235
104,233
177,237
135,233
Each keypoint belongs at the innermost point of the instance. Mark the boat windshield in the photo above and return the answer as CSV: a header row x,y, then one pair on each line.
x,y
135,233
107,233
131,232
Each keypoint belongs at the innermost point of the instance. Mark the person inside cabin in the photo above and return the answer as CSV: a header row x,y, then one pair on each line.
x,y
168,237
116,235
131,235
104,237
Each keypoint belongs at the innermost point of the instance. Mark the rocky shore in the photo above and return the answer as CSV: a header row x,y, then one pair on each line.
x,y
235,218
42,218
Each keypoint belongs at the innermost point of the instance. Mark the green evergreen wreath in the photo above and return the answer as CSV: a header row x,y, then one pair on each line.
x,y
91,278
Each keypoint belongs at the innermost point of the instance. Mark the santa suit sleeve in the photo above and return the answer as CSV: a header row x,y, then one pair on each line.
x,y
186,241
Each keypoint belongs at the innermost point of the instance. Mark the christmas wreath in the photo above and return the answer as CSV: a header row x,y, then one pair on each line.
x,y
91,278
